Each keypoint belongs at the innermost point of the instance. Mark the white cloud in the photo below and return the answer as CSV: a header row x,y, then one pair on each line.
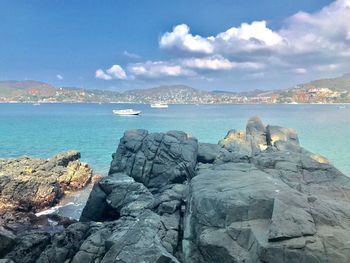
x,y
131,55
157,69
114,72
327,67
100,74
306,43
218,63
304,40
182,39
117,72
324,31
211,63
246,37
60,77
300,71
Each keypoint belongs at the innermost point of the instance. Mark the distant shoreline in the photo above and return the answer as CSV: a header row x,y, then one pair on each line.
x,y
139,103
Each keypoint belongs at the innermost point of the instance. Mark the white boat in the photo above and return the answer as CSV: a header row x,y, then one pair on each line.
x,y
127,112
36,104
159,105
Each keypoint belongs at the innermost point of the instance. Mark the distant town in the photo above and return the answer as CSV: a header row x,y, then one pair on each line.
x,y
336,90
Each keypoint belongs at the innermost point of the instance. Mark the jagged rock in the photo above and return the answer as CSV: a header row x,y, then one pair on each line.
x,y
64,158
256,134
138,240
257,197
29,247
156,159
114,196
77,176
7,241
279,208
30,184
64,245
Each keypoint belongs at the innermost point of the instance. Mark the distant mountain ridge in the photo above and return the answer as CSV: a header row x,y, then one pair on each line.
x,y
338,89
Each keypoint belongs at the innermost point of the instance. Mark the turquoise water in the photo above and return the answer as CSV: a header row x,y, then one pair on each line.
x,y
92,128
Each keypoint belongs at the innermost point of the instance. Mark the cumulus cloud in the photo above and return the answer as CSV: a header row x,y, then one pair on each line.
x,y
117,72
300,71
182,39
100,74
305,44
217,63
60,77
211,63
157,69
248,37
304,39
114,72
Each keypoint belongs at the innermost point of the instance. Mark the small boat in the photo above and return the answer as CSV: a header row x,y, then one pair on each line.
x,y
36,104
341,107
126,112
159,105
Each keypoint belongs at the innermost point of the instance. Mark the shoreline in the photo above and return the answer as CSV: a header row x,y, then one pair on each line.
x,y
197,104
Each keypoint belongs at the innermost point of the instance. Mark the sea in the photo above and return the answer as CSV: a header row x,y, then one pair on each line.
x,y
92,129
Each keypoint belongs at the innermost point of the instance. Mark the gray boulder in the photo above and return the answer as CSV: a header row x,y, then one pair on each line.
x,y
207,152
157,159
286,205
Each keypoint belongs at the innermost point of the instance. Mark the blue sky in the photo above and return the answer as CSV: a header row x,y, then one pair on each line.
x,y
227,45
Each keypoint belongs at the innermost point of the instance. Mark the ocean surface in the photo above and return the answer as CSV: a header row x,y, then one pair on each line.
x,y
92,129
45,130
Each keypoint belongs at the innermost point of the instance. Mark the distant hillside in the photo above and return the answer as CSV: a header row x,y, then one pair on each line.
x,y
317,91
10,89
337,84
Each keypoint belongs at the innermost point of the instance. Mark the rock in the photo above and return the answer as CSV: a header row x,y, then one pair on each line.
x,y
19,222
258,196
256,134
7,241
115,196
207,152
279,208
96,178
64,245
64,158
77,176
276,133
29,247
138,240
157,159
31,184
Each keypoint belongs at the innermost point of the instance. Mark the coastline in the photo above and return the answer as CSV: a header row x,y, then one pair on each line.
x,y
138,103
173,198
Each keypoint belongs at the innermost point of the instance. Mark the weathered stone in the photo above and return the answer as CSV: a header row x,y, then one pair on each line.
x,y
31,184
156,159
207,152
7,241
256,197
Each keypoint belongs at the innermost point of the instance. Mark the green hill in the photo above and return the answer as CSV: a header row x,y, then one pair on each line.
x,y
337,84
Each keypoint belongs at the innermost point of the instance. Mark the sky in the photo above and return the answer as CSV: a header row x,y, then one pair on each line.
x,y
232,45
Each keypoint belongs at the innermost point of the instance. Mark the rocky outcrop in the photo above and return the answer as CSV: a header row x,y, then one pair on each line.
x,y
147,181
256,196
31,184
285,205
